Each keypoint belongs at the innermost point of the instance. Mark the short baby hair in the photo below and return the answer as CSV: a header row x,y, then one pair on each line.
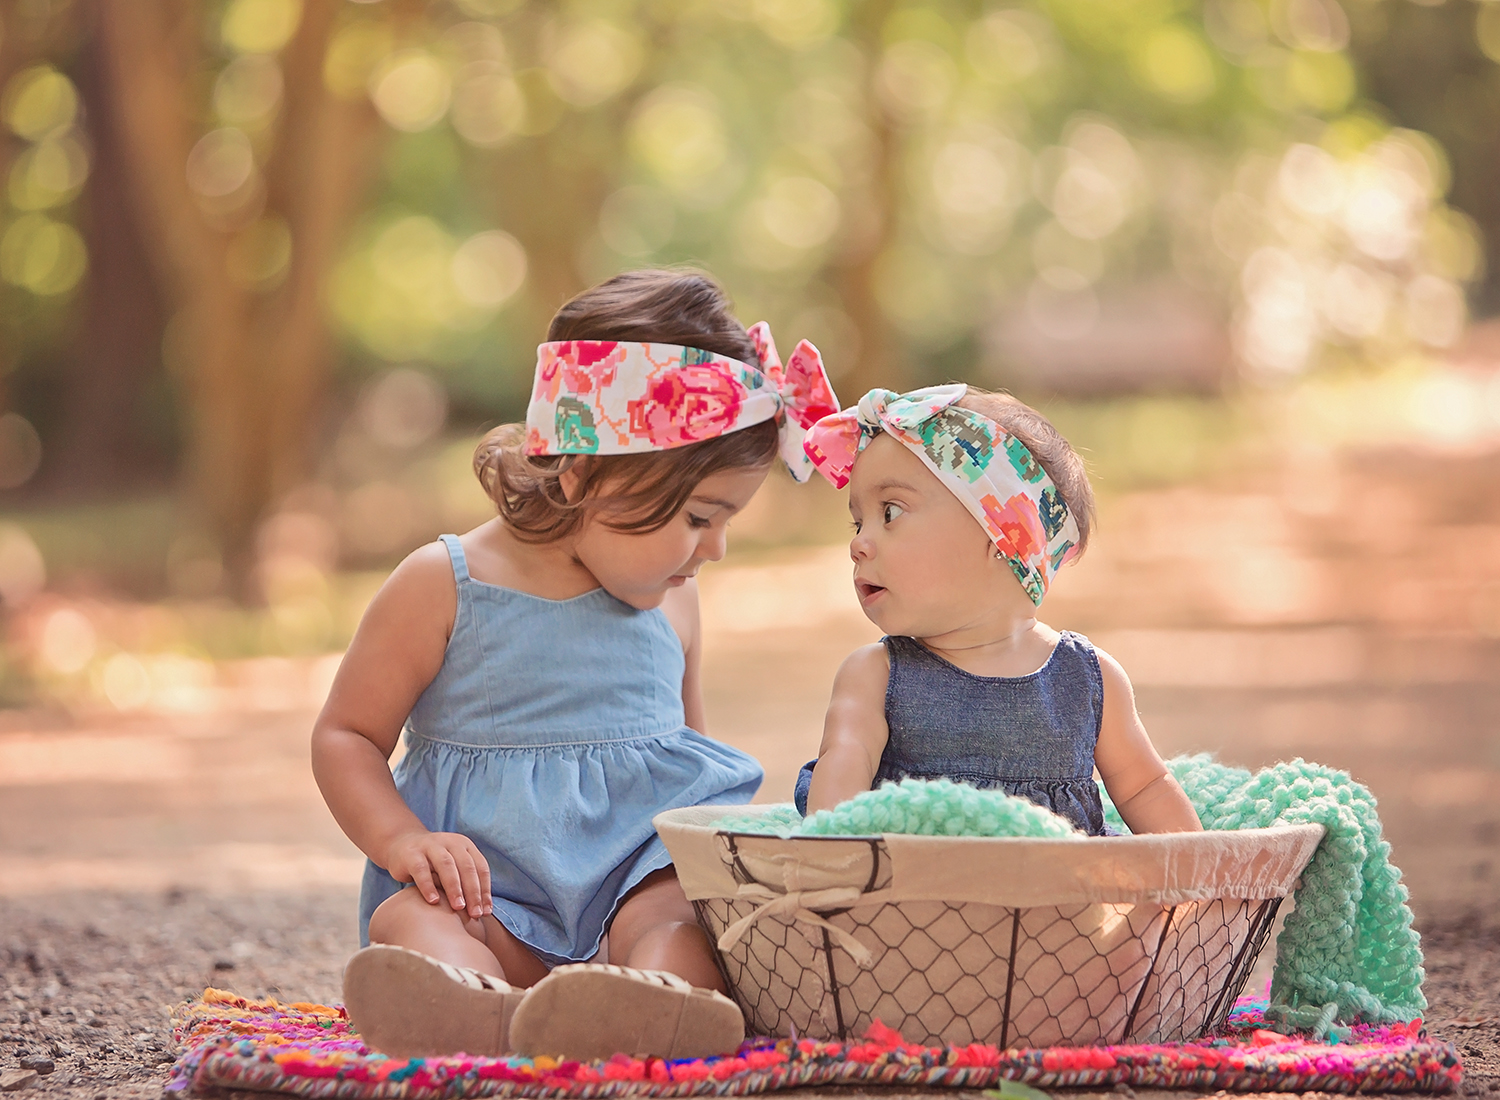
x,y
1047,446
643,491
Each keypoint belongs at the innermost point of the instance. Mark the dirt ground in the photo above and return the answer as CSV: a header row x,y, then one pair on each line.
x,y
145,856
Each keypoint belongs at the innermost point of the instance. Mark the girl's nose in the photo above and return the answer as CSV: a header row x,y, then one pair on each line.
x,y
861,547
712,543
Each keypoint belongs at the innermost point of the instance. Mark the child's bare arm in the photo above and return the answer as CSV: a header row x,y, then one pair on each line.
x,y
394,655
681,609
1142,789
854,731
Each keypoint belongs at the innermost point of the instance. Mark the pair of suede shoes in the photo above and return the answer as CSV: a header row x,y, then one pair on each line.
x,y
410,1005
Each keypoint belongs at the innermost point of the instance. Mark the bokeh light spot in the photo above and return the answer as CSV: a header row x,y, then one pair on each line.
x,y
37,101
1435,311
916,78
1279,325
1355,301
1174,61
23,572
796,23
1487,30
1319,25
403,409
220,163
488,107
126,682
1002,49
1323,81
260,26
20,450
488,269
248,91
1311,180
49,173
411,90
593,60
1453,245
1088,202
678,135
43,256
68,641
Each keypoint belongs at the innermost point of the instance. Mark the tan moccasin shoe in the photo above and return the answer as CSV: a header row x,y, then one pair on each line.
x,y
589,1011
410,1005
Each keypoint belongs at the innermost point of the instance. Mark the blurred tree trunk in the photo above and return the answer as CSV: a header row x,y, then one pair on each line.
x,y
116,341
255,363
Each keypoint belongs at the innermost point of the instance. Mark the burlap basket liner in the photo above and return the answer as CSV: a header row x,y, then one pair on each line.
x,y
1010,941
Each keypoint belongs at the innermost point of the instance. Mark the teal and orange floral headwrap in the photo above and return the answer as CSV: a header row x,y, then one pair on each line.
x,y
611,397
992,473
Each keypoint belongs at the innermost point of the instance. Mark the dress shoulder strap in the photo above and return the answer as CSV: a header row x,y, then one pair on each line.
x,y
456,556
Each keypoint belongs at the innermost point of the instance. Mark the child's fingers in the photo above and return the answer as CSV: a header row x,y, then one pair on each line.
x,y
470,875
421,874
487,904
448,875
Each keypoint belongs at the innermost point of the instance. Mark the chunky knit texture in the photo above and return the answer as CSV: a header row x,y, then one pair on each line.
x,y
1348,953
936,807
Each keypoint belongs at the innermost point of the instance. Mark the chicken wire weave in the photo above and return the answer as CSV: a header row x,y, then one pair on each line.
x,y
954,974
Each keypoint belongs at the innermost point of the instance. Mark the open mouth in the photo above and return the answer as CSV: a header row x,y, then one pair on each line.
x,y
867,591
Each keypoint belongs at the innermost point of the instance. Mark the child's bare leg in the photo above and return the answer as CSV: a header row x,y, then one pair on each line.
x,y
407,919
656,929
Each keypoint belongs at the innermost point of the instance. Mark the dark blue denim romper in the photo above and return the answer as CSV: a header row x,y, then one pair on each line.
x,y
1032,736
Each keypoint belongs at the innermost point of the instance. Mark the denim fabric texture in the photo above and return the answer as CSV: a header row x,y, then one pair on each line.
x,y
550,737
1031,736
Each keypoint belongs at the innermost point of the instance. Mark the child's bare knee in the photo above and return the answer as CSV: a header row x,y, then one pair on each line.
x,y
396,914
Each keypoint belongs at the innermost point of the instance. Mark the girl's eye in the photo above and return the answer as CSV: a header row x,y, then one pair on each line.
x,y
856,525
892,511
698,521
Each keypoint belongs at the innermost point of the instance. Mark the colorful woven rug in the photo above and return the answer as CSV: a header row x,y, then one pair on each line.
x,y
311,1050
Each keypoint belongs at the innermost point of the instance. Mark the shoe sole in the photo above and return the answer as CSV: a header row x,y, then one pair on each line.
x,y
404,1004
594,1012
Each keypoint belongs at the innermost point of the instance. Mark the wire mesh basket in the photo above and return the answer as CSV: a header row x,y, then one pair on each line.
x,y
1008,941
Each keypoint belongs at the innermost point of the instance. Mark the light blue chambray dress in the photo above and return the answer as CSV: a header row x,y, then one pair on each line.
x,y
550,737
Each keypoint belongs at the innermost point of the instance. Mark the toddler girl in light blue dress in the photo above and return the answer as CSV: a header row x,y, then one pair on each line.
x,y
544,670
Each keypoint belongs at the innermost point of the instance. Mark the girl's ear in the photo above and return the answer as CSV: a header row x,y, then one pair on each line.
x,y
572,477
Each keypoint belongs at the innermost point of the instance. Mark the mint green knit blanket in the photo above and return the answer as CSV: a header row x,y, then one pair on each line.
x,y
1347,953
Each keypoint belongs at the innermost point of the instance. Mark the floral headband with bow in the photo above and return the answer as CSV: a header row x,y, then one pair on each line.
x,y
991,472
609,397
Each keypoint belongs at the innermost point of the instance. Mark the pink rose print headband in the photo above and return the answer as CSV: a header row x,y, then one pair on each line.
x,y
991,472
607,397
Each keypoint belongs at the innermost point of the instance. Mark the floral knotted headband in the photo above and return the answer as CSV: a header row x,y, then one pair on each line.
x,y
991,472
609,397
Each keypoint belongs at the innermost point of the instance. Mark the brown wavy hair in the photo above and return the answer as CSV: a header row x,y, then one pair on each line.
x,y
1063,464
637,493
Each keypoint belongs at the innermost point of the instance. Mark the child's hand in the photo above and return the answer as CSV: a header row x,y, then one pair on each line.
x,y
443,863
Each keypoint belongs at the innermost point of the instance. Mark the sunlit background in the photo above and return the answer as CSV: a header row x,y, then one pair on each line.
x,y
270,267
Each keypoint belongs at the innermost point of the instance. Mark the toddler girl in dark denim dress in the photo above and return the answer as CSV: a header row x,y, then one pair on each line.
x,y
965,505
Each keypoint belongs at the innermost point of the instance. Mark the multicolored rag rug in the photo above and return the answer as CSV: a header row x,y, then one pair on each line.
x,y
311,1050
